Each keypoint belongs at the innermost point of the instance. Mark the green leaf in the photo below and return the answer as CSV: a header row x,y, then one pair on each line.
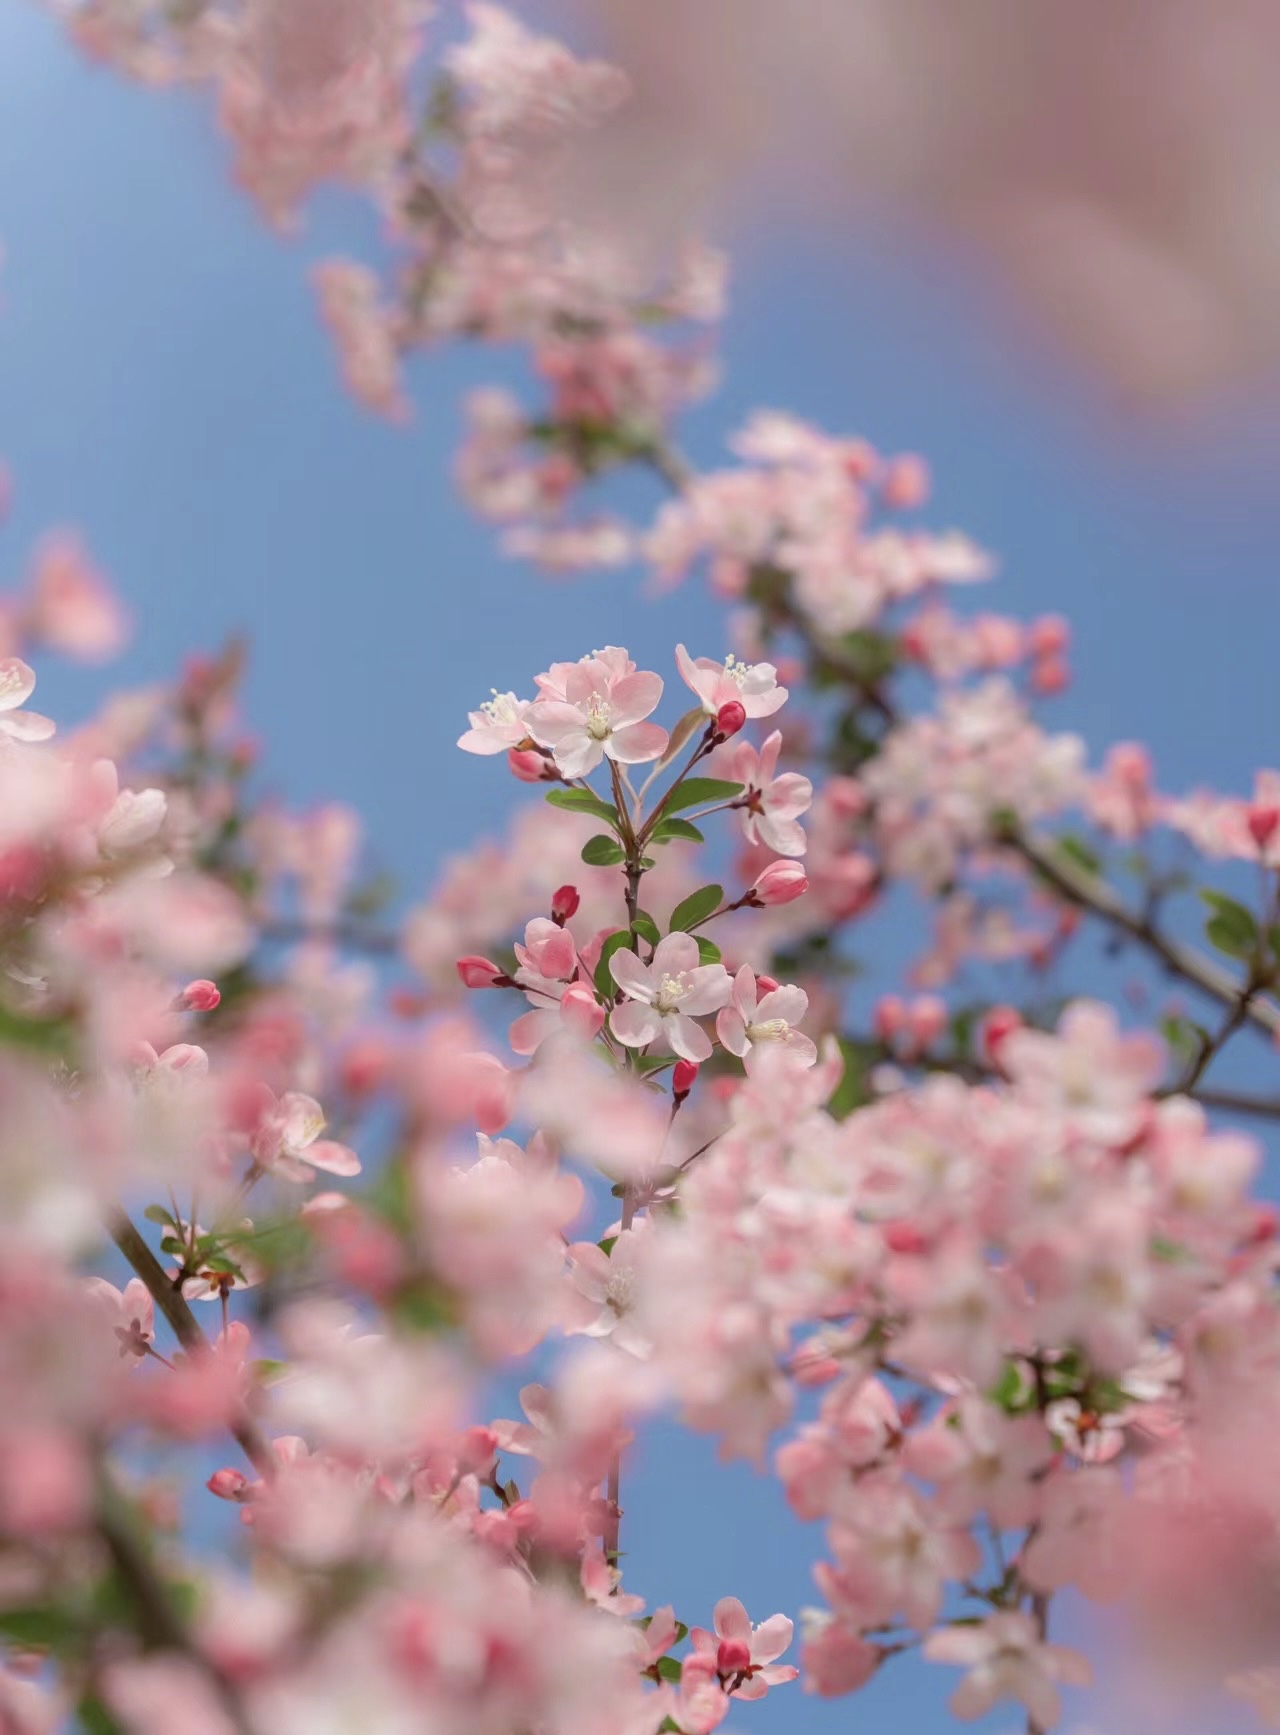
x,y
670,1668
696,791
43,1629
607,1245
606,987
708,951
583,801
602,851
851,1092
1231,928
158,1214
696,908
670,828
94,1718
646,927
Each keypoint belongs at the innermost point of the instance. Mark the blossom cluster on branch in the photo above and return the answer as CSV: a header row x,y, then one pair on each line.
x,y
977,1272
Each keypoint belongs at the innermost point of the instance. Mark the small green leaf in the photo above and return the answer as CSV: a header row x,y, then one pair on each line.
x,y
670,828
696,791
602,851
708,951
670,1668
682,1632
1231,928
646,927
607,1245
606,987
583,801
158,1214
696,908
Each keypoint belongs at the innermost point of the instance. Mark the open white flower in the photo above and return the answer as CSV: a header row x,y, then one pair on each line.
x,y
664,997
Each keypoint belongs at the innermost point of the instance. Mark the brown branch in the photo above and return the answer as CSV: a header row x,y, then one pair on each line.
x,y
186,1328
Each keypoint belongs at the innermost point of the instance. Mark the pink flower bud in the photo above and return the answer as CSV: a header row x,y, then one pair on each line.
x,y
999,1023
683,1078
927,1018
564,903
780,883
228,1485
1262,822
730,718
890,1016
529,767
480,973
906,483
581,1011
1050,675
1049,636
766,984
201,996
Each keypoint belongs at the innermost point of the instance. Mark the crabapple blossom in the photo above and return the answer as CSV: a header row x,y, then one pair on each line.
x,y
665,996
17,683
286,1140
751,1019
600,715
772,805
1006,1658
754,686
745,1656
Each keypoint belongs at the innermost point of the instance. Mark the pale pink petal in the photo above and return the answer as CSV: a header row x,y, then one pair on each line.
x,y
787,1002
17,683
532,1029
687,1039
636,744
752,1688
26,725
333,1158
578,756
784,836
636,1025
675,954
301,1120
771,1638
633,698
732,1620
631,975
732,1031
710,985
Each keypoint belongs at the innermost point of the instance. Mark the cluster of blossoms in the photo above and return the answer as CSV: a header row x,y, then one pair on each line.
x,y
984,1284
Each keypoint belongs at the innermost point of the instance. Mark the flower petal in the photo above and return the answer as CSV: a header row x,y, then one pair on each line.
x,y
732,1620
637,743
689,1040
17,683
634,697
636,1025
631,975
333,1158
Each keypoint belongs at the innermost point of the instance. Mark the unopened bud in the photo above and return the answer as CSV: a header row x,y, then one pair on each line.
x,y
477,1451
998,1025
780,883
730,718
1262,822
229,1485
201,996
581,1011
683,1079
564,903
528,766
481,973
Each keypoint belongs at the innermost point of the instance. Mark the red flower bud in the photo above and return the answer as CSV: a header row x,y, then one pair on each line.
x,y
780,883
999,1023
229,1485
480,973
201,996
683,1078
564,903
529,767
730,718
1262,822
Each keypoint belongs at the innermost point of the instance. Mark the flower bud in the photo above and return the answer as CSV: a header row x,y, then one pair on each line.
x,y
780,883
200,996
730,718
890,1016
481,973
477,1451
999,1024
926,1019
564,903
581,1011
1262,821
229,1485
683,1079
528,766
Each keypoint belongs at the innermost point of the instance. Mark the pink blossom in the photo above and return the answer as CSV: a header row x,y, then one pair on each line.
x,y
744,1655
601,714
500,724
751,1019
780,883
17,683
773,803
287,1140
1007,1659
754,686
665,996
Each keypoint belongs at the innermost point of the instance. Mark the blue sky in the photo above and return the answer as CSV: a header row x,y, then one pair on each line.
x,y
165,385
